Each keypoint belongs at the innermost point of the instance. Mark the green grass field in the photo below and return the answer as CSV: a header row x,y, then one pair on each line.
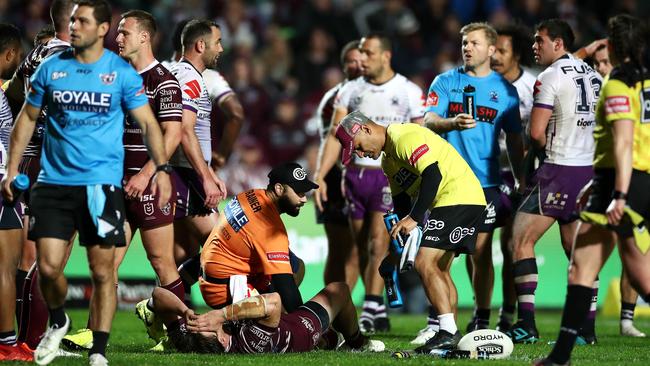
x,y
129,346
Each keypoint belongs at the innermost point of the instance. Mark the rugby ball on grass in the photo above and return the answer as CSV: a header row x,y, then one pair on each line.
x,y
494,344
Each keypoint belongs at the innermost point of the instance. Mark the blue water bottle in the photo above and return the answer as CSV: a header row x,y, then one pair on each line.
x,y
469,99
388,272
390,219
19,184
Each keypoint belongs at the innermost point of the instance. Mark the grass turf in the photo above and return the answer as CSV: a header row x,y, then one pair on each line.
x,y
129,345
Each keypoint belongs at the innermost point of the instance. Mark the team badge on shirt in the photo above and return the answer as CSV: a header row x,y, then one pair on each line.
x,y
108,79
432,99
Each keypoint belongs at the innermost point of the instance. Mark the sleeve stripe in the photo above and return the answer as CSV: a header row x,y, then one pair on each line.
x,y
542,105
190,108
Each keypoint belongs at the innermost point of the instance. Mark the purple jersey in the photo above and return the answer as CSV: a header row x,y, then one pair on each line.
x,y
165,99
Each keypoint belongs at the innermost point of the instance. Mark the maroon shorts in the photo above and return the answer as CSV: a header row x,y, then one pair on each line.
x,y
366,190
144,213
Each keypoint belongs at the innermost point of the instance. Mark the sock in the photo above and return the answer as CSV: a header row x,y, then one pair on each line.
x,y
8,338
380,311
33,320
189,272
482,317
20,283
100,340
447,323
370,305
57,317
589,326
177,288
356,340
525,273
627,313
432,319
575,311
506,313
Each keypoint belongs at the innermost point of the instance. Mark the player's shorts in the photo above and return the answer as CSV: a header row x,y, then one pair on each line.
x,y
11,216
190,196
453,228
302,328
493,211
144,213
30,166
57,211
507,187
366,190
334,210
554,189
638,196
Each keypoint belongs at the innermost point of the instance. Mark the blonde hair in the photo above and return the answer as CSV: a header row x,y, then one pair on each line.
x,y
488,30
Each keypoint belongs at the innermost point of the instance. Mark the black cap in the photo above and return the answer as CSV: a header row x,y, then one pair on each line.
x,y
293,175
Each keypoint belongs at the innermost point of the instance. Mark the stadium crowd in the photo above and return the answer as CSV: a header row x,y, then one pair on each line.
x,y
460,116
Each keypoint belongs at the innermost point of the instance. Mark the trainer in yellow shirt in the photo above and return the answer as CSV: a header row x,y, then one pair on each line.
x,y
425,173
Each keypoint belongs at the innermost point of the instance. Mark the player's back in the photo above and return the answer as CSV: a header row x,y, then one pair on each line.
x,y
570,88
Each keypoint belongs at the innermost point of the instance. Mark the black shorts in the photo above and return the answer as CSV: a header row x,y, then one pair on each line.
x,y
492,213
453,228
335,209
638,195
57,211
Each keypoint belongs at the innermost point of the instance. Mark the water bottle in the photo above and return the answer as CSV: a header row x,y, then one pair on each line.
x,y
469,105
389,273
390,219
18,185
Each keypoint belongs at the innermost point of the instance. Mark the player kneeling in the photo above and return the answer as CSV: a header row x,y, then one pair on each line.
x,y
257,324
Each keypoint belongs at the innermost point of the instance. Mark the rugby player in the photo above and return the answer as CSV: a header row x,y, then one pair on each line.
x,y
387,97
561,126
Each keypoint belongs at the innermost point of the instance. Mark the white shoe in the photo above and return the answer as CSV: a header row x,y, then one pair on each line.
x,y
97,359
64,353
47,349
424,335
629,330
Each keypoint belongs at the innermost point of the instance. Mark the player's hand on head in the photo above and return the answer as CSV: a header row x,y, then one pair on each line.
x,y
464,121
136,185
161,186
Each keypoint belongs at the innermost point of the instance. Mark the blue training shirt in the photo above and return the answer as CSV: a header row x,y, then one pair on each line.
x,y
85,117
497,108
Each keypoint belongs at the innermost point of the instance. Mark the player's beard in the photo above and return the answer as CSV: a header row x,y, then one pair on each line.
x,y
287,207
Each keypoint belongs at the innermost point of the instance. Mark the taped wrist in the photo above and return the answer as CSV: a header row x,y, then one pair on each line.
x,y
249,308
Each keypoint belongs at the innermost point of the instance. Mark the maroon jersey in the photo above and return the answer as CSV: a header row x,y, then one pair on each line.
x,y
165,99
25,71
297,332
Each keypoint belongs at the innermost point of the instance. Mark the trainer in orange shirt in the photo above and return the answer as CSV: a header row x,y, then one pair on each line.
x,y
250,239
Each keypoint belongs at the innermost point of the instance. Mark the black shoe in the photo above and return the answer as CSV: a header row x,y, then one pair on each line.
x,y
366,326
443,340
504,326
471,326
521,333
382,324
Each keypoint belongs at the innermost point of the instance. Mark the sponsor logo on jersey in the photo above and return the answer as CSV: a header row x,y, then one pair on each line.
x,y
108,79
82,101
459,233
394,101
193,89
432,99
277,256
140,91
617,104
235,215
584,124
418,153
536,87
483,113
59,75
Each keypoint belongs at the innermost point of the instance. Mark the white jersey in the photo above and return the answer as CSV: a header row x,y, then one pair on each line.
x,y
524,85
396,101
217,86
195,99
570,88
6,125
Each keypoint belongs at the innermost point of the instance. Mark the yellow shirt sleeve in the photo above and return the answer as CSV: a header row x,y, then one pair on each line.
x,y
618,101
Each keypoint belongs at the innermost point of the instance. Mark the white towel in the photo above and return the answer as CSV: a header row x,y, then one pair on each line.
x,y
411,246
